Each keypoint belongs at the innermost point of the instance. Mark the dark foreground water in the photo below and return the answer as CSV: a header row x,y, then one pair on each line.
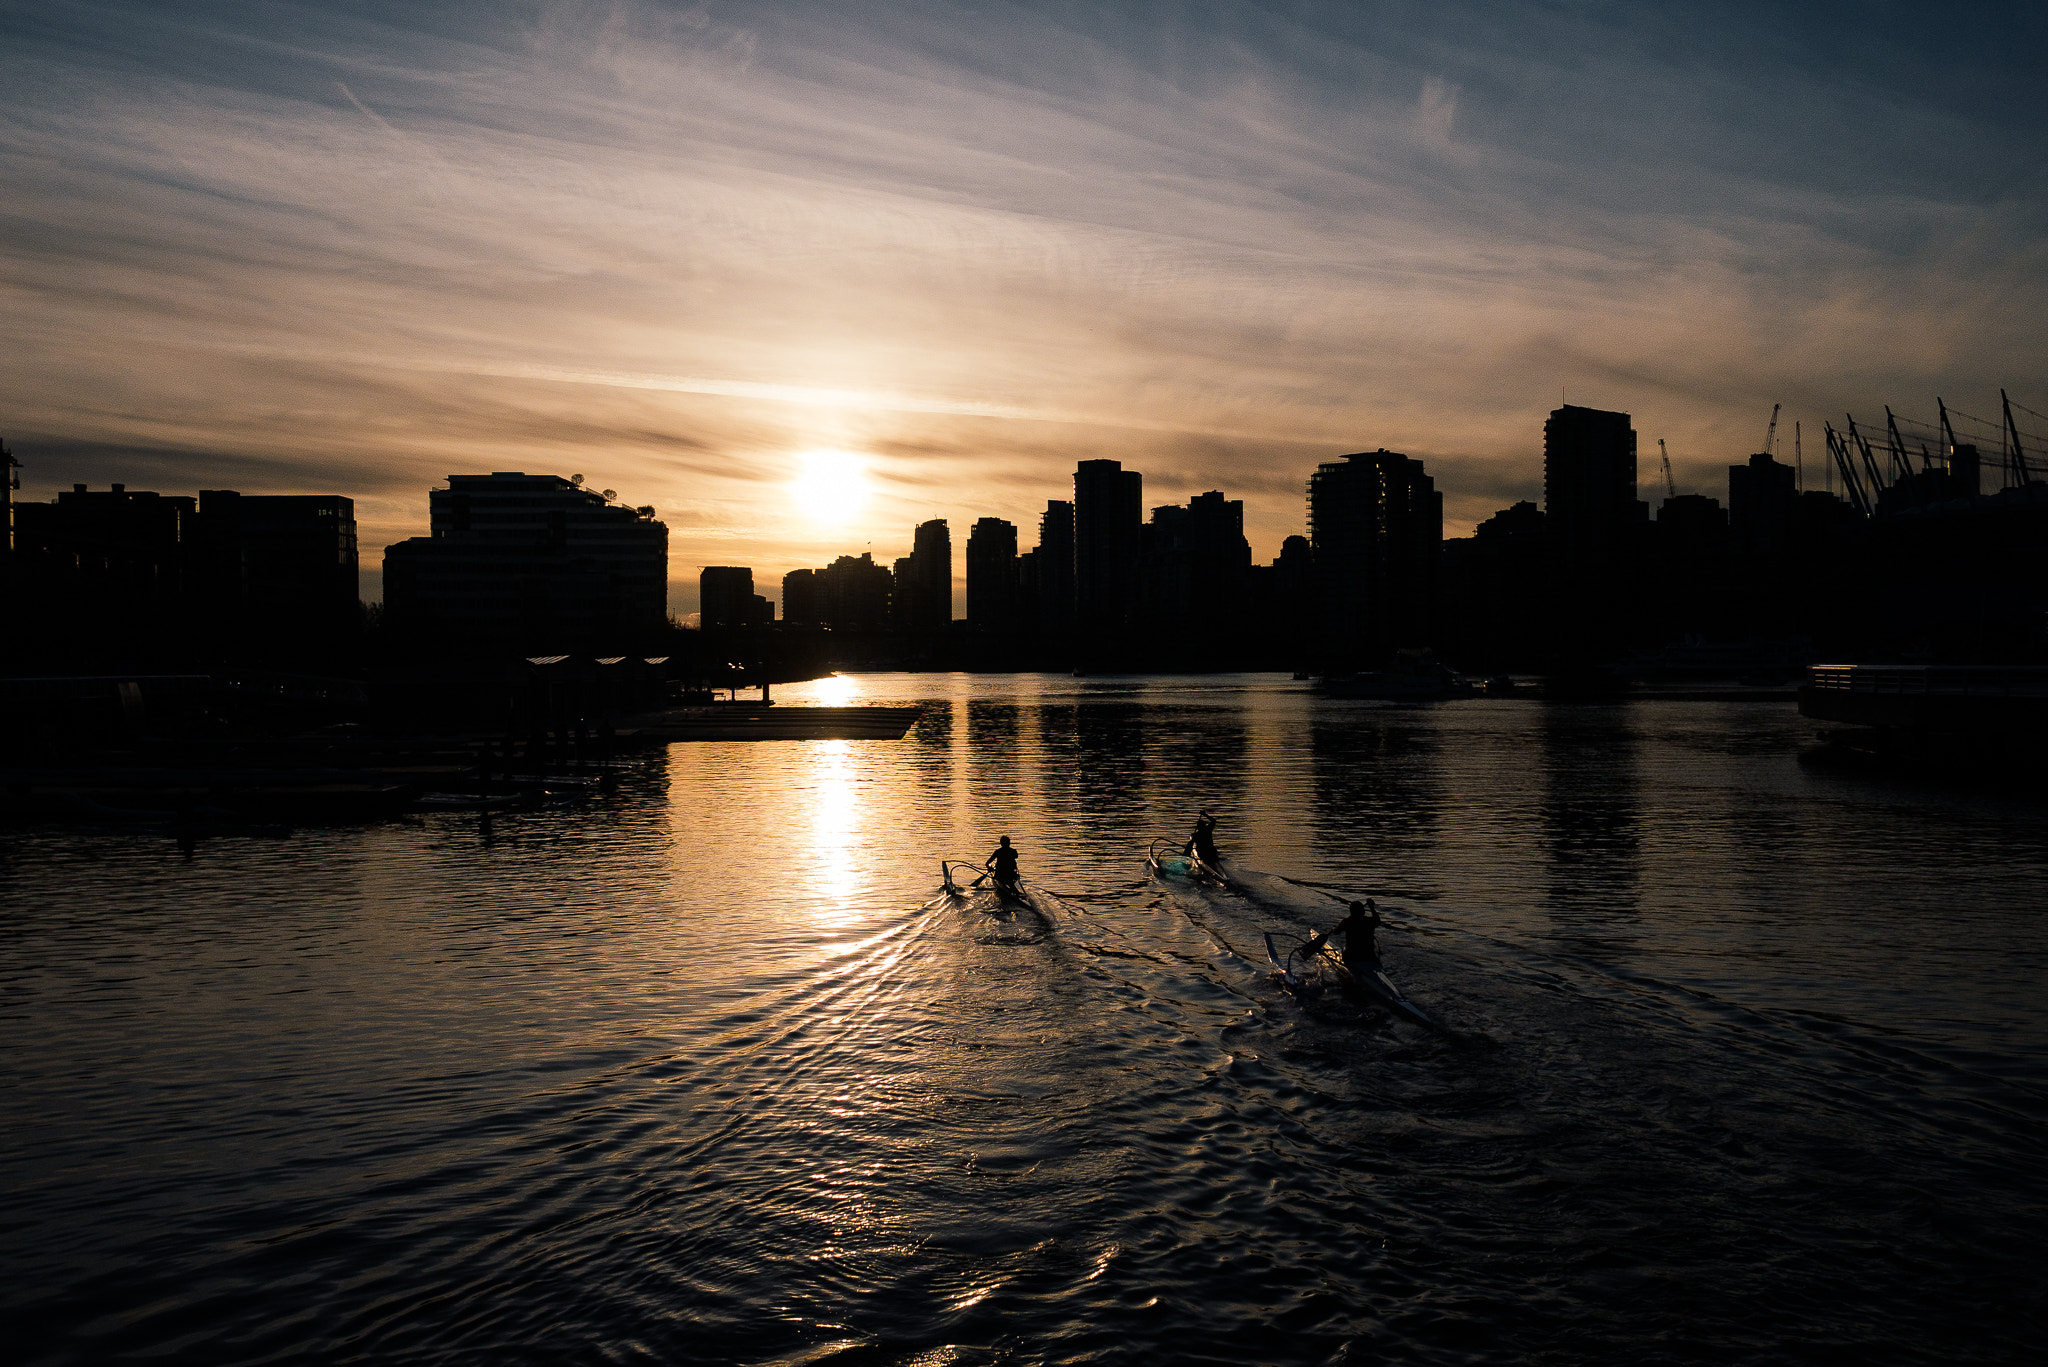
x,y
1743,1058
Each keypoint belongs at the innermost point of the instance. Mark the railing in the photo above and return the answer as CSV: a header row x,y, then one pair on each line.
x,y
294,687
1992,681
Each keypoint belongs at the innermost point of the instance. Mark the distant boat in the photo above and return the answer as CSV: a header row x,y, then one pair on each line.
x,y
1411,680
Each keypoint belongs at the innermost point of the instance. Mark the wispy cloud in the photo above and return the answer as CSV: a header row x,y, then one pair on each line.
x,y
682,245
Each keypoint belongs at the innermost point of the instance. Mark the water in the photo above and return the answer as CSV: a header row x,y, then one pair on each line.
x,y
1741,1059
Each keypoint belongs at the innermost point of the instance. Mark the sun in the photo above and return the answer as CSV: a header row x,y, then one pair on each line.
x,y
832,486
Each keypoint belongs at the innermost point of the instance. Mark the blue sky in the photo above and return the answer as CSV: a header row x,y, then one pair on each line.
x,y
354,249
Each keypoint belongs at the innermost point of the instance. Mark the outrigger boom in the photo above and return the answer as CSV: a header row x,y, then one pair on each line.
x,y
946,877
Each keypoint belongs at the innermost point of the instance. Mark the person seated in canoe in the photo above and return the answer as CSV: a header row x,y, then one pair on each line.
x,y
1002,866
1360,951
1202,845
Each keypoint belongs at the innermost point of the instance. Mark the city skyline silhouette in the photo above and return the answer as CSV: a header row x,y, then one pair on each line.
x,y
359,256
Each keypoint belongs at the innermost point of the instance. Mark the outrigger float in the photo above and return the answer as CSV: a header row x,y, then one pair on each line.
x,y
1313,973
1170,858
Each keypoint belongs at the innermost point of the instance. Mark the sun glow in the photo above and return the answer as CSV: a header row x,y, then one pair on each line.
x,y
836,823
832,487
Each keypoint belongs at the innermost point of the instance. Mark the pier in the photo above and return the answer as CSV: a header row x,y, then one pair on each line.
x,y
1992,717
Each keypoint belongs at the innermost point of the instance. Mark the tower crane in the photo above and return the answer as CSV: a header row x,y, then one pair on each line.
x,y
1670,487
1771,434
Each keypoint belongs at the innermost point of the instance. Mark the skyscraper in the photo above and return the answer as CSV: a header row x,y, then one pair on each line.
x,y
1761,499
1108,524
1494,594
801,604
1589,488
1197,564
726,597
1376,529
851,594
1053,566
1220,558
1595,528
992,576
924,581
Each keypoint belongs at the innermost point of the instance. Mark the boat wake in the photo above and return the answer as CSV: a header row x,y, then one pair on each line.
x,y
1020,913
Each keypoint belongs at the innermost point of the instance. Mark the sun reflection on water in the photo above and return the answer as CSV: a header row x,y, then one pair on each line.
x,y
837,690
836,830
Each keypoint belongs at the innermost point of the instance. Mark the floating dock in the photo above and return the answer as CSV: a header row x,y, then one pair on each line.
x,y
730,721
1981,717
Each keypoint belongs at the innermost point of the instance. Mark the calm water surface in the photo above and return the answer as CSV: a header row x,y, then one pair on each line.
x,y
1742,1059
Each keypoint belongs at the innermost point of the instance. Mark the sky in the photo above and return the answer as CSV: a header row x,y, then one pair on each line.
x,y
804,275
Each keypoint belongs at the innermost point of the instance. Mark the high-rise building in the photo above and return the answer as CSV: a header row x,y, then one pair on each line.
x,y
1282,602
1197,564
1108,527
1494,595
1589,488
924,580
992,578
800,600
1220,558
1165,598
1053,569
1761,498
726,597
1692,523
1685,555
513,554
1594,523
905,603
10,480
853,594
1376,529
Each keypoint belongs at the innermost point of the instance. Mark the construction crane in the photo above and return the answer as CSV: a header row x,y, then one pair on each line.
x,y
2016,462
1669,486
1771,434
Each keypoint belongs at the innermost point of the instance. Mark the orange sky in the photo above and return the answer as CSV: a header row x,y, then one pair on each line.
x,y
676,250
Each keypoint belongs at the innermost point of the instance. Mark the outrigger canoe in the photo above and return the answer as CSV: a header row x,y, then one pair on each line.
x,y
963,879
1170,858
1310,975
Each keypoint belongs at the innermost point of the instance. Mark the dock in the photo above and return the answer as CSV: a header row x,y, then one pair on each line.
x,y
1969,717
730,721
